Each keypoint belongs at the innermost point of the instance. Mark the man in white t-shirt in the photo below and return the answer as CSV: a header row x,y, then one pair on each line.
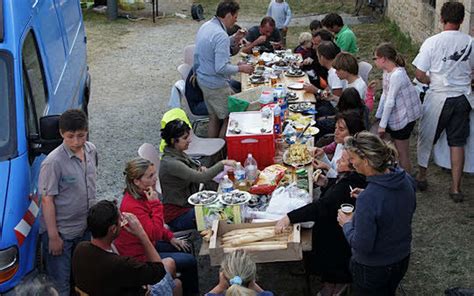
x,y
448,57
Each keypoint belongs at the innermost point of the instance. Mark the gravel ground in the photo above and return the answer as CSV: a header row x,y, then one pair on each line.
x,y
133,66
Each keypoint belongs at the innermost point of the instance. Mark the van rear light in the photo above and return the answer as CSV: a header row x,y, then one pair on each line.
x,y
8,263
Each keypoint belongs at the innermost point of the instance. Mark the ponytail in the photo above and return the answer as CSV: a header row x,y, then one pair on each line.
x,y
399,60
388,51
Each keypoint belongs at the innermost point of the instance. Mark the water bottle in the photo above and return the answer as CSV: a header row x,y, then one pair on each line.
x,y
239,173
277,119
226,185
251,169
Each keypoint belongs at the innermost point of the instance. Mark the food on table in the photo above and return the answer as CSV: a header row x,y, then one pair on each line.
x,y
235,197
268,179
297,154
316,174
255,239
294,72
300,107
206,234
203,198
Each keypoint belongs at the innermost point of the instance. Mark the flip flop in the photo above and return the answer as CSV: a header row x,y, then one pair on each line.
x,y
456,196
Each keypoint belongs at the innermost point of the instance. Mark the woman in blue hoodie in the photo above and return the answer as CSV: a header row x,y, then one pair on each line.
x,y
379,232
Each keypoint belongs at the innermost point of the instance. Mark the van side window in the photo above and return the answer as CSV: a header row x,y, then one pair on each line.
x,y
33,84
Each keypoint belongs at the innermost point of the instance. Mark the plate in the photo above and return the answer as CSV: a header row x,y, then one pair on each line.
x,y
196,198
294,164
311,131
300,107
296,86
288,74
245,197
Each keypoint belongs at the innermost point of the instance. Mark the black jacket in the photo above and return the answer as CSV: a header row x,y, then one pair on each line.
x,y
331,252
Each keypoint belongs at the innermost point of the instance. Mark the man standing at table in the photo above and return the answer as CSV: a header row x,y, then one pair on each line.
x,y
212,65
449,58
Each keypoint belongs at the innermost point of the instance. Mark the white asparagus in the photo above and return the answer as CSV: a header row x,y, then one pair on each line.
x,y
260,243
257,248
248,230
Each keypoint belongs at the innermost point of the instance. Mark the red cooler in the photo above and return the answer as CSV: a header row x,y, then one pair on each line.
x,y
256,136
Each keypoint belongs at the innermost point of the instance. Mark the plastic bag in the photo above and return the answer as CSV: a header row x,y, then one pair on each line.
x,y
287,199
268,179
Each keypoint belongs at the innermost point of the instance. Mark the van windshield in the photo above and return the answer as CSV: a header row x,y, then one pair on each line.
x,y
7,109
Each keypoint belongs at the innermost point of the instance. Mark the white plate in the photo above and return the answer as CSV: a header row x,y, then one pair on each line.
x,y
190,199
296,85
247,198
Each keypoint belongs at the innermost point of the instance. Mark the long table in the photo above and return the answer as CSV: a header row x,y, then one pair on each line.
x,y
302,95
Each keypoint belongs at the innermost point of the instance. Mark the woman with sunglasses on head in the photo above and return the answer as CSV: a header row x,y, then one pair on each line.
x,y
330,255
141,199
400,105
379,232
180,175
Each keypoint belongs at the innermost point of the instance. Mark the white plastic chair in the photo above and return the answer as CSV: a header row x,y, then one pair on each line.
x,y
189,54
183,70
364,71
200,147
149,152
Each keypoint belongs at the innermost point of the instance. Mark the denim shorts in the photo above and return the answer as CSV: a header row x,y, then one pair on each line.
x,y
454,119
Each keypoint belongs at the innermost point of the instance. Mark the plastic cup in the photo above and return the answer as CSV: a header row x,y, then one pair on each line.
x,y
347,209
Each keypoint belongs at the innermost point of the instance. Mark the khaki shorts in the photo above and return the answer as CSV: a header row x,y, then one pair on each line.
x,y
216,100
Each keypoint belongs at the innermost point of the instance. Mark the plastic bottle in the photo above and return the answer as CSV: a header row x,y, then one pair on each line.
x,y
226,185
251,169
277,119
239,172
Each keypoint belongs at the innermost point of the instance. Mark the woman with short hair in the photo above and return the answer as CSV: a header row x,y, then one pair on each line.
x,y
379,232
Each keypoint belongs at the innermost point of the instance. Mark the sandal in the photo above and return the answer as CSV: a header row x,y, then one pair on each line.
x,y
421,185
456,196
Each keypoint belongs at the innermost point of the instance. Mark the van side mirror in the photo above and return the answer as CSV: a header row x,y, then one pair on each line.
x,y
49,137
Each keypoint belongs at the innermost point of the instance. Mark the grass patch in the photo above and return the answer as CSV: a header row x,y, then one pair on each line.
x,y
253,8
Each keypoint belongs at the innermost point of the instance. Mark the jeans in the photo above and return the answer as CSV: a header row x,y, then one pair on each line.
x,y
377,280
58,268
186,264
183,222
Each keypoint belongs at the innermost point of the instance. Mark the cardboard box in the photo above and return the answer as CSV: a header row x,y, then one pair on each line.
x,y
207,214
294,251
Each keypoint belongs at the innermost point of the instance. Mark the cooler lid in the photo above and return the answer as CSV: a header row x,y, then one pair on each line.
x,y
248,123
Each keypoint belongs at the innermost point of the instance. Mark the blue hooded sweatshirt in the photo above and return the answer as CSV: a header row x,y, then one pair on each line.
x,y
380,231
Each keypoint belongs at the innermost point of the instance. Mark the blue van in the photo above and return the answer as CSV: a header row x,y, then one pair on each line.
x,y
43,72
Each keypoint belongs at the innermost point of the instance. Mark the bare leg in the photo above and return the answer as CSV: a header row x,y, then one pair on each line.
x,y
178,290
457,165
421,173
214,126
403,147
223,128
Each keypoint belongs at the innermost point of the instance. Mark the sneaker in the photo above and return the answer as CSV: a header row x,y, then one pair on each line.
x,y
456,196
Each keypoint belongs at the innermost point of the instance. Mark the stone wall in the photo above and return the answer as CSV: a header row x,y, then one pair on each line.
x,y
419,19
